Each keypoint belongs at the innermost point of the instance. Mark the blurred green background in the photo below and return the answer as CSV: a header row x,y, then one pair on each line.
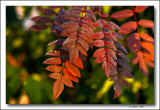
x,y
27,81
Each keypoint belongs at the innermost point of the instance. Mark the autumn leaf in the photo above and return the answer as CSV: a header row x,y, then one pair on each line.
x,y
122,14
146,23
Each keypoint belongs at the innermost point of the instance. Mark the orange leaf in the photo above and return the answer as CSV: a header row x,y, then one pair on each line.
x,y
54,52
137,57
69,75
139,9
58,87
53,60
81,49
55,75
72,69
149,47
146,37
128,27
78,62
122,14
149,62
73,53
148,56
146,23
143,67
67,81
54,68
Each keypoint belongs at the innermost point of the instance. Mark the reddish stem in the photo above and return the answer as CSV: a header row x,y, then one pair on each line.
x,y
135,18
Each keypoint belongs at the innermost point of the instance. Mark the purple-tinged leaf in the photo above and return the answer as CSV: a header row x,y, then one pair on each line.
x,y
124,82
125,73
120,46
124,64
122,55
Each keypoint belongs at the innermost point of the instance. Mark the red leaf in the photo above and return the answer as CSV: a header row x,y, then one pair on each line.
x,y
137,57
107,71
48,12
88,22
86,28
139,9
117,88
37,28
71,17
54,68
143,67
104,65
128,27
55,75
98,52
90,14
57,42
70,76
70,25
58,87
69,32
111,53
146,23
78,62
74,10
70,40
100,59
67,81
41,19
146,37
110,45
125,73
149,62
81,49
110,36
72,69
98,43
85,36
102,15
83,43
100,23
122,14
124,82
73,53
53,60
98,35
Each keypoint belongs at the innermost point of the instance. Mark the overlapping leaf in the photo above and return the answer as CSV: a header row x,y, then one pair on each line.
x,y
128,27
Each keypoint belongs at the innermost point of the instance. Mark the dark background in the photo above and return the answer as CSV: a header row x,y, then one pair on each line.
x,y
27,81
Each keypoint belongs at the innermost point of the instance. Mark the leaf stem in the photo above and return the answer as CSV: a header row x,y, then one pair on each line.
x,y
135,18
